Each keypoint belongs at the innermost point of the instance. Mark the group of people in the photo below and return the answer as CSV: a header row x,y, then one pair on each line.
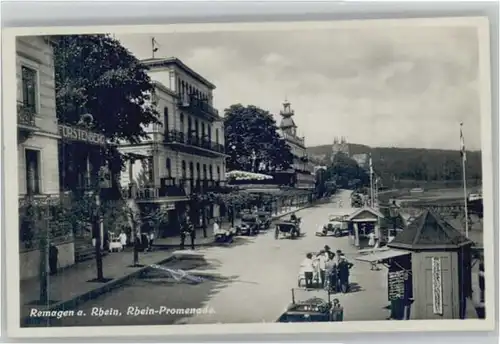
x,y
329,269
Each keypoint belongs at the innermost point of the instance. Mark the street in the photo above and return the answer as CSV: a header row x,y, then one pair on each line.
x,y
249,282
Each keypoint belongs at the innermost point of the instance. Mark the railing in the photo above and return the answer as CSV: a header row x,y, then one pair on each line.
x,y
25,115
175,136
175,189
199,106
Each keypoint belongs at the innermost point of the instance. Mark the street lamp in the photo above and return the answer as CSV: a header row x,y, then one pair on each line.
x,y
394,214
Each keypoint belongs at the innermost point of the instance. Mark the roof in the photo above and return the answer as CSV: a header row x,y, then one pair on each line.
x,y
164,62
381,255
427,232
358,212
287,122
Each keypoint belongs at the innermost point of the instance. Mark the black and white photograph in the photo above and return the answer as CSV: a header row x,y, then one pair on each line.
x,y
339,172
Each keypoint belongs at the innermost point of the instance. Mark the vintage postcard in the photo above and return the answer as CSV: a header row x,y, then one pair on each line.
x,y
247,178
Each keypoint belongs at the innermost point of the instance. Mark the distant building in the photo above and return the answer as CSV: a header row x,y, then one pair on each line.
x,y
302,167
340,145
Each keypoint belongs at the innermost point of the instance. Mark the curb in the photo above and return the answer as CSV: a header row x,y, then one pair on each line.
x,y
92,294
117,282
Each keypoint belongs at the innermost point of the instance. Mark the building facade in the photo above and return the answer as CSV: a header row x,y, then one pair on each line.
x,y
302,168
184,155
340,145
37,137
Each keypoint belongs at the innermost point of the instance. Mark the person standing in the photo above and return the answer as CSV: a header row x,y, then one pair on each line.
x,y
137,248
308,270
123,239
343,273
186,223
330,267
191,231
337,311
151,239
321,257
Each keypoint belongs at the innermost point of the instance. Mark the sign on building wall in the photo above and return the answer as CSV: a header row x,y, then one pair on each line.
x,y
437,286
396,284
82,135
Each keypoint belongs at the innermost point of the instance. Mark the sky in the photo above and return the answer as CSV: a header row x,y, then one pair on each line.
x,y
383,87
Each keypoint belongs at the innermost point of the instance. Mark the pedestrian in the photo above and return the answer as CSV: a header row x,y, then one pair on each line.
x,y
184,231
308,270
337,311
123,239
330,267
329,252
322,257
371,239
137,248
192,234
53,255
151,238
343,274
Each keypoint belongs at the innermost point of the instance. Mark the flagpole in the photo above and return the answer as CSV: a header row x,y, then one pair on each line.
x,y
371,182
462,150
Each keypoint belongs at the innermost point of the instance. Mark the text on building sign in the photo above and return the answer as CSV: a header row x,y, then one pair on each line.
x,y
78,134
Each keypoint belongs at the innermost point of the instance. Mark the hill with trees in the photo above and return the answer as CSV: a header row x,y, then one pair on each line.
x,y
401,167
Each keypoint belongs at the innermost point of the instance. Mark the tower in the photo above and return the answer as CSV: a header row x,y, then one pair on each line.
x,y
287,124
340,145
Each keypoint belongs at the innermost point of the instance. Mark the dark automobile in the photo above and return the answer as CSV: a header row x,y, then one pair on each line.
x,y
290,229
265,219
312,309
250,224
356,201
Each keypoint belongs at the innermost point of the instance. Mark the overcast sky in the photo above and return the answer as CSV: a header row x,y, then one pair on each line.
x,y
401,87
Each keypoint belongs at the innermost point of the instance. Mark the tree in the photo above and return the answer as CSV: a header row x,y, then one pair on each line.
x,y
346,172
251,129
95,74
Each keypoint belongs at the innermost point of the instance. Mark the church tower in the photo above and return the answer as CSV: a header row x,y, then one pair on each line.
x,y
340,145
287,124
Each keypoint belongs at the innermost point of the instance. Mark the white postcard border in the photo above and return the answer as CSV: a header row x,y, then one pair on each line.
x,y
11,186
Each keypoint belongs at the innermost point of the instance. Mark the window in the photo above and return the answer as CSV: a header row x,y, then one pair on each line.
x,y
217,136
165,118
209,133
169,167
181,119
29,88
32,171
196,128
202,129
183,169
204,172
218,173
211,172
198,172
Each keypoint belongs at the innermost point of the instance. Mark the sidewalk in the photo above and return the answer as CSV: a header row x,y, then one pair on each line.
x,y
74,285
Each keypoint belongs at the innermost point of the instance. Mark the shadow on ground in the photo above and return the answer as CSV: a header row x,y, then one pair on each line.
x,y
154,289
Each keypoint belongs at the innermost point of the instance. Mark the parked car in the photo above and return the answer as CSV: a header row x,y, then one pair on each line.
x,y
337,225
250,224
309,309
265,219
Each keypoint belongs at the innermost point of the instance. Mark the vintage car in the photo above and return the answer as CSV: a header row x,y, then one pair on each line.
x,y
337,225
356,200
265,219
309,309
250,225
290,229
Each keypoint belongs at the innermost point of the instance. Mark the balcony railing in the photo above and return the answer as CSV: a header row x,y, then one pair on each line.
x,y
25,115
175,189
175,136
198,106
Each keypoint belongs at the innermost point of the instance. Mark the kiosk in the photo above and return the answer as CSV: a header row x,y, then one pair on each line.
x,y
429,273
363,222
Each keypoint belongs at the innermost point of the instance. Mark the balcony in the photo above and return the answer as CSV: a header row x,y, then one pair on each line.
x,y
26,120
198,107
173,191
192,141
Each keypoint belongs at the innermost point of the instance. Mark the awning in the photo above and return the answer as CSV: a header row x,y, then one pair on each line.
x,y
382,255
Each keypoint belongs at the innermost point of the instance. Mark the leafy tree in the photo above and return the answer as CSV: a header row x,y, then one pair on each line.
x,y
250,129
95,74
346,172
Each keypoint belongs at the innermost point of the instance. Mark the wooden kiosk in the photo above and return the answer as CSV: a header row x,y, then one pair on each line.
x,y
363,222
429,273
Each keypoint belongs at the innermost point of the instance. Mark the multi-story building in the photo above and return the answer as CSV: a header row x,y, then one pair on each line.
x,y
340,145
37,150
302,168
184,155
